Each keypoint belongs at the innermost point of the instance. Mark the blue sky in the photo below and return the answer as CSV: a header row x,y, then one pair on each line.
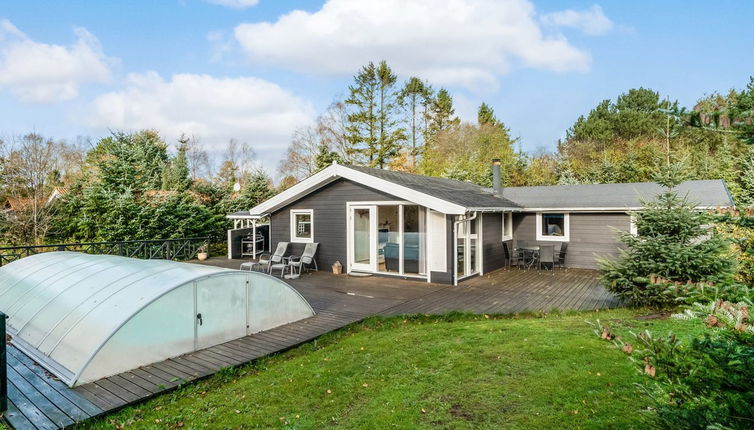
x,y
255,72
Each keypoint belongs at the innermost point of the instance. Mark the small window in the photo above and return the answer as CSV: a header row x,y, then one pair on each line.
x,y
507,227
302,225
553,226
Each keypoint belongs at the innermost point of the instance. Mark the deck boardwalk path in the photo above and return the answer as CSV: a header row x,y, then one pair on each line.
x,y
39,401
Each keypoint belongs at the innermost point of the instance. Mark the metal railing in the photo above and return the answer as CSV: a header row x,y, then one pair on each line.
x,y
164,249
3,368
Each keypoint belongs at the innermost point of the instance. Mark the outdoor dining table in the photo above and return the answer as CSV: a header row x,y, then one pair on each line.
x,y
531,255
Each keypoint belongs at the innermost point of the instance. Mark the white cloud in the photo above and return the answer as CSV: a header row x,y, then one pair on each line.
x,y
591,21
236,4
212,109
463,42
43,73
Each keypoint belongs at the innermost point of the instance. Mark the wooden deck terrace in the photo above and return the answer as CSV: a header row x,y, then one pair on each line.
x,y
37,400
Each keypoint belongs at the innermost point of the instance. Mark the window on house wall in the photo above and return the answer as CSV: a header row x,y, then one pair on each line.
x,y
302,225
507,226
553,227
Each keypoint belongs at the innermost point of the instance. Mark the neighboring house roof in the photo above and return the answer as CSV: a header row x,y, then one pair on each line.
x,y
625,196
456,197
23,203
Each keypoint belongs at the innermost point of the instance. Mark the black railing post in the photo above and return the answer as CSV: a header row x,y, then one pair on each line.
x,y
3,368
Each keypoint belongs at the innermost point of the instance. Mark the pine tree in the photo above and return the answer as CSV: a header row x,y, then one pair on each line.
x,y
362,128
673,242
175,176
441,114
486,116
130,161
390,135
325,157
415,98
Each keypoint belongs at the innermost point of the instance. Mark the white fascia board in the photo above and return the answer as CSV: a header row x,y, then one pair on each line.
x,y
603,209
336,171
244,216
398,190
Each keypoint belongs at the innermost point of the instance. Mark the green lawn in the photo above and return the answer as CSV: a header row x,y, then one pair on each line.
x,y
454,372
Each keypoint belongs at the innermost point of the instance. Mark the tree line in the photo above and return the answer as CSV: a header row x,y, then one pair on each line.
x,y
123,187
411,126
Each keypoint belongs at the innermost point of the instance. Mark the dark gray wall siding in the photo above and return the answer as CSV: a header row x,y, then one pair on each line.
x,y
492,244
329,218
592,236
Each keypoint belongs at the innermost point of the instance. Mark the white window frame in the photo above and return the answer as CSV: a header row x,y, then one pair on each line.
x,y
507,226
566,228
294,226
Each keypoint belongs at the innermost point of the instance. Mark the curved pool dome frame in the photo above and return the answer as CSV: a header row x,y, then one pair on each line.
x,y
85,317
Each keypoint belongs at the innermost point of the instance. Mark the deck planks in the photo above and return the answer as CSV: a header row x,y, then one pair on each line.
x,y
39,401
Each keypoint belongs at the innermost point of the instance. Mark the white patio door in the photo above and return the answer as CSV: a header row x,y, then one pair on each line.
x,y
362,238
467,249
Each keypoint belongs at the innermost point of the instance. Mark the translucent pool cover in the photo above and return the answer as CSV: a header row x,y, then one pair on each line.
x,y
86,317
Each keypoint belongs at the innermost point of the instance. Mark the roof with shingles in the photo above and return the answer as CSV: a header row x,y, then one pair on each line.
x,y
460,196
462,193
702,193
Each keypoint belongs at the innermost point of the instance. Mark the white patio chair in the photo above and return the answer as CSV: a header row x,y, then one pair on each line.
x,y
298,264
266,261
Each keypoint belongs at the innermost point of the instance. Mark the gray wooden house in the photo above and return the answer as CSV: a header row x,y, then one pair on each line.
x,y
442,230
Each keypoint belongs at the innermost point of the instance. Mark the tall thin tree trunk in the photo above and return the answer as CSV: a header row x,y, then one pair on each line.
x,y
413,131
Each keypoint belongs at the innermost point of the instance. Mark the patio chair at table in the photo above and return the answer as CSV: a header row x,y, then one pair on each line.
x,y
306,259
266,260
547,257
513,256
561,255
521,256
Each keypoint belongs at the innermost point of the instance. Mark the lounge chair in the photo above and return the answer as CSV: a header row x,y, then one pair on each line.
x,y
267,260
298,264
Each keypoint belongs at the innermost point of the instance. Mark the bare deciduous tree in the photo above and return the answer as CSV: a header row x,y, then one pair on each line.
x,y
33,166
328,130
200,164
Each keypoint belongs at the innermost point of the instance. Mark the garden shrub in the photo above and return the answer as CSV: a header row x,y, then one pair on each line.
x,y
706,383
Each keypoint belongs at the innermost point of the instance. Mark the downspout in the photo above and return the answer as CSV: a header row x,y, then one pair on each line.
x,y
455,245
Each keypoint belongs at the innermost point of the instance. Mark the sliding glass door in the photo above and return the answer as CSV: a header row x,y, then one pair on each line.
x,y
395,235
414,232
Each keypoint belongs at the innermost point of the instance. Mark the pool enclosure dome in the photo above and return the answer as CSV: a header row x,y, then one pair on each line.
x,y
85,317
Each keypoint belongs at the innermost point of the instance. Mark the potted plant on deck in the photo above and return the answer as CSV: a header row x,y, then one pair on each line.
x,y
202,253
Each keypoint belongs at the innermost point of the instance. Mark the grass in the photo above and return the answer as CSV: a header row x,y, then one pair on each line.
x,y
455,371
